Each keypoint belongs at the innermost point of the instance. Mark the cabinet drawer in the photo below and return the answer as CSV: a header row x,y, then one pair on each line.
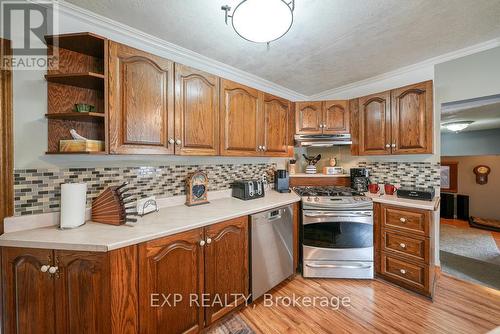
x,y
405,273
416,248
414,221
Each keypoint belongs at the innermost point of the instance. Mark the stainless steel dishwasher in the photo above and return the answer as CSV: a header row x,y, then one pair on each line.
x,y
271,249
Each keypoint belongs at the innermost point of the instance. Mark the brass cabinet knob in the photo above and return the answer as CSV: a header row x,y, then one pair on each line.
x,y
178,142
53,270
209,241
402,271
202,243
44,268
402,245
403,220
171,141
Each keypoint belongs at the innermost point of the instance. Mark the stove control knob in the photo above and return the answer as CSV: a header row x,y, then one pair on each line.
x,y
308,198
316,199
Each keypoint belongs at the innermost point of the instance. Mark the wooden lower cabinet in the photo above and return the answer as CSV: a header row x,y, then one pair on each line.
x,y
200,268
169,285
82,292
46,291
226,266
28,294
404,253
170,268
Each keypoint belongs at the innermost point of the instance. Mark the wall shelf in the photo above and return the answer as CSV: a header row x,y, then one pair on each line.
x,y
86,43
77,116
88,80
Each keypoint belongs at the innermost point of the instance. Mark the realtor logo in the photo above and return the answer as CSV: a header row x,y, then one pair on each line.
x,y
25,24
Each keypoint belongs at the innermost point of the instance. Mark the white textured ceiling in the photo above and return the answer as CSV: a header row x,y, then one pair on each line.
x,y
331,43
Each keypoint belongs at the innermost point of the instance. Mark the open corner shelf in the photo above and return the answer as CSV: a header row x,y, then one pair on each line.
x,y
78,77
88,80
86,43
77,116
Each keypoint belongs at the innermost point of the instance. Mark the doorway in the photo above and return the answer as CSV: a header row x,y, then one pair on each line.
x,y
470,188
6,145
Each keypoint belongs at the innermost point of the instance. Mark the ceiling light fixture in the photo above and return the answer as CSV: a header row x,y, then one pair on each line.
x,y
261,21
457,126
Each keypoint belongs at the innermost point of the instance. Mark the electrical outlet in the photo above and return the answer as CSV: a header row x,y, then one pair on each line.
x,y
146,205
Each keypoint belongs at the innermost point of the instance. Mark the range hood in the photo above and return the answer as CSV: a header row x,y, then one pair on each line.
x,y
322,140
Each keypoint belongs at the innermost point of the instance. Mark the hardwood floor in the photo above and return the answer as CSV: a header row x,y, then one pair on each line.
x,y
464,224
379,307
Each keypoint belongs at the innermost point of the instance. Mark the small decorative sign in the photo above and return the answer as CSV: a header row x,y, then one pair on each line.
x,y
196,189
482,172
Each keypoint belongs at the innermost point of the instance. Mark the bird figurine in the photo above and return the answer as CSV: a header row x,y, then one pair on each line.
x,y
311,163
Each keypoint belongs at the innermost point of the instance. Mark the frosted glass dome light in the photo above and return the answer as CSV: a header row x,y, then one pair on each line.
x,y
457,126
261,21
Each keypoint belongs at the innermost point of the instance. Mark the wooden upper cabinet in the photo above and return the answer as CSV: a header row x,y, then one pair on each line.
x,y
308,117
28,293
336,117
226,265
196,112
82,292
240,119
375,124
276,119
412,119
140,102
173,264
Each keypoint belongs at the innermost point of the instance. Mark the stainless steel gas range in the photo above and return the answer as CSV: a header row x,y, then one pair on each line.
x,y
337,232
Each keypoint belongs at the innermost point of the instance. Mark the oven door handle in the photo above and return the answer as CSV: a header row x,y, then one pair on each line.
x,y
336,215
344,266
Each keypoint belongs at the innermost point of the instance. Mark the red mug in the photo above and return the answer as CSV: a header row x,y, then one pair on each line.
x,y
389,189
374,188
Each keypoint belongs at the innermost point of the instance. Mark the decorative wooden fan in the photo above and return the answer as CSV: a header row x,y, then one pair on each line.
x,y
110,207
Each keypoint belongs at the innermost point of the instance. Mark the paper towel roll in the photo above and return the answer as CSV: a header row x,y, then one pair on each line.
x,y
73,204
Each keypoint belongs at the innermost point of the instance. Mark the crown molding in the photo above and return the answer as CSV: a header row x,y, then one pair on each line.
x,y
126,34
415,68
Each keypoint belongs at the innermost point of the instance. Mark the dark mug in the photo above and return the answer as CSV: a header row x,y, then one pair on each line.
x,y
373,188
389,189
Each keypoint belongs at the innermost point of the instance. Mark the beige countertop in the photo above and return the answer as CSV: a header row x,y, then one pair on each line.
x,y
169,220
318,175
410,203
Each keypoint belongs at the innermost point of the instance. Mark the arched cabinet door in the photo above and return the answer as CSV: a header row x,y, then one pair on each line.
x,y
336,117
196,112
28,290
276,131
226,265
375,124
308,118
140,102
412,119
240,117
171,265
83,292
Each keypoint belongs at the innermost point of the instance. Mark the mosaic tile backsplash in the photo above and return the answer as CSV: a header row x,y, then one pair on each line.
x,y
39,190
413,174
